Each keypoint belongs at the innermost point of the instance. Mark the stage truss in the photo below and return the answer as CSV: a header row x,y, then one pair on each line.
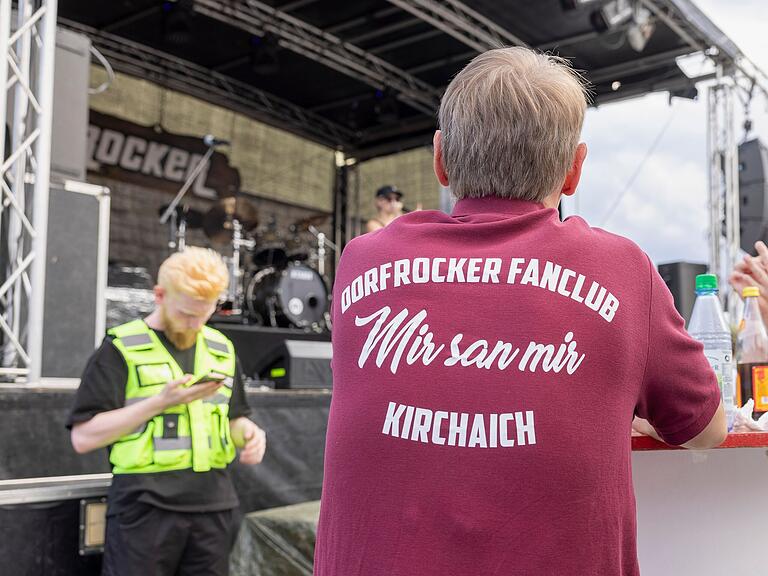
x,y
27,52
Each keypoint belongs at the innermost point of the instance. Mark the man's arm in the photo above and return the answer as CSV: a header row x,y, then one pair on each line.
x,y
107,427
711,437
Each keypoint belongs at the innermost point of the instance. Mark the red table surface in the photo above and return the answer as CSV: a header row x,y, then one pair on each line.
x,y
641,443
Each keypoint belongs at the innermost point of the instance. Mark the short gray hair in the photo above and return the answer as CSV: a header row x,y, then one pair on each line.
x,y
510,123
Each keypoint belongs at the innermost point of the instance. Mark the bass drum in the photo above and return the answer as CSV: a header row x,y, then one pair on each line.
x,y
293,296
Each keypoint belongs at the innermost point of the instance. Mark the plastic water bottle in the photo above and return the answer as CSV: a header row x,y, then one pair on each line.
x,y
709,327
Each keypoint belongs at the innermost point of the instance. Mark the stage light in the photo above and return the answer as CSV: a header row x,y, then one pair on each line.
x,y
611,15
177,21
615,85
574,4
641,29
265,58
688,93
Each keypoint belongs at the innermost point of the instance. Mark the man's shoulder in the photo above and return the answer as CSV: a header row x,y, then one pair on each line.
x,y
107,353
604,242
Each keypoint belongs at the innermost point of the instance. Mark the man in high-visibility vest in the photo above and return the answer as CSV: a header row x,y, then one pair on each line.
x,y
165,394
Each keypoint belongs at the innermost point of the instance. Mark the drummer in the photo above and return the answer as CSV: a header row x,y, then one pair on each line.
x,y
389,206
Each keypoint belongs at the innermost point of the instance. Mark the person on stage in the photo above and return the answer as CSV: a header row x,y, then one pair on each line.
x,y
165,394
488,364
389,206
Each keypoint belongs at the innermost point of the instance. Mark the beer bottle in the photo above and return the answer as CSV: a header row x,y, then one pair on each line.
x,y
752,358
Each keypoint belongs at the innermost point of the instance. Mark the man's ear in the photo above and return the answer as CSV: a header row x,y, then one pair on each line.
x,y
574,174
159,294
437,144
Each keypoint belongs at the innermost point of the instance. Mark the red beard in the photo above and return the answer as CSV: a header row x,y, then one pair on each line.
x,y
182,339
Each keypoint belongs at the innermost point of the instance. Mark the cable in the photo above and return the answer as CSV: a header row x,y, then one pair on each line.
x,y
110,72
639,168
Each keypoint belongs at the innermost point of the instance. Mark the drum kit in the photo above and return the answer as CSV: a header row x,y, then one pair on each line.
x,y
276,279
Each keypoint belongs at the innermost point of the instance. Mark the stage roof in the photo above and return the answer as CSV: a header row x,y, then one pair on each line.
x,y
366,76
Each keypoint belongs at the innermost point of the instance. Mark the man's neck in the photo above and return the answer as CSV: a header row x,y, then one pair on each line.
x,y
155,320
552,201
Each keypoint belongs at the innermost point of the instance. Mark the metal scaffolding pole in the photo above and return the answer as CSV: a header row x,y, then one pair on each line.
x,y
723,158
26,77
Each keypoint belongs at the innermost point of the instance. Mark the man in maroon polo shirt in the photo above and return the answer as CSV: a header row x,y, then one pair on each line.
x,y
488,364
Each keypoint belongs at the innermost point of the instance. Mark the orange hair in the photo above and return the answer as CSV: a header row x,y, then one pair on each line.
x,y
197,272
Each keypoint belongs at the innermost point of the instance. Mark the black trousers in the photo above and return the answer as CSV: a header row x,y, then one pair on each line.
x,y
143,540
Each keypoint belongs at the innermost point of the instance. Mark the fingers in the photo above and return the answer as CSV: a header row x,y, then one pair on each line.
x,y
740,280
742,266
255,447
198,391
762,253
179,381
757,271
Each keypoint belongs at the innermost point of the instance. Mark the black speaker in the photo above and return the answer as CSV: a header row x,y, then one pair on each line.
x,y
75,277
680,278
298,364
753,192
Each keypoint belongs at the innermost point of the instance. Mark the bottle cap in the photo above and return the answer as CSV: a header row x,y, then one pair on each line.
x,y
750,291
706,283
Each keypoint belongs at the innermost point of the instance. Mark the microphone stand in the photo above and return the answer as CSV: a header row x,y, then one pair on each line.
x,y
187,184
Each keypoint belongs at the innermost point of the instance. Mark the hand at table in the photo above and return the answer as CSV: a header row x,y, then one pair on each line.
x,y
642,426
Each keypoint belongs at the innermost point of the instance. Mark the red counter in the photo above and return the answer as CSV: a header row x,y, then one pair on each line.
x,y
640,442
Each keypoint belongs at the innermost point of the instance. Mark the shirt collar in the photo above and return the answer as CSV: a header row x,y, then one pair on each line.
x,y
495,205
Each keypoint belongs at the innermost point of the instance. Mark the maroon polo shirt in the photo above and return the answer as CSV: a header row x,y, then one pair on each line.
x,y
487,366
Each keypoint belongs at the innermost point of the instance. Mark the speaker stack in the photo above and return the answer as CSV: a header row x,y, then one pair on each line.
x,y
753,190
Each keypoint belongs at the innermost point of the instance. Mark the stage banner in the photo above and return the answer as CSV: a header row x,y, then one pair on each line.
x,y
154,158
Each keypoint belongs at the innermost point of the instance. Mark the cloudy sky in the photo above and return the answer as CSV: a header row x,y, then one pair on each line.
x,y
665,209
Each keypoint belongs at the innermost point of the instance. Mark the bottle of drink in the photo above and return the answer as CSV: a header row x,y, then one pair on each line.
x,y
708,326
752,357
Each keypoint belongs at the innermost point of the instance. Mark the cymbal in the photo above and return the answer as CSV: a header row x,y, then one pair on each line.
x,y
313,220
193,218
217,222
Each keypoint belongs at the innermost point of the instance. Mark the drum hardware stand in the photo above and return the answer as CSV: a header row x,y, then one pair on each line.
x,y
322,241
235,290
177,232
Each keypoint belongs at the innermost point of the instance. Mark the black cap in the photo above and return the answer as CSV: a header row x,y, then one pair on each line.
x,y
386,191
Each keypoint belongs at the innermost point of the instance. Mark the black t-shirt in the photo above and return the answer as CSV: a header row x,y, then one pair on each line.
x,y
102,388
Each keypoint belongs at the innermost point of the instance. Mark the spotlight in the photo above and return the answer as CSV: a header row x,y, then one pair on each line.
x,y
574,4
265,58
177,21
611,15
688,93
641,29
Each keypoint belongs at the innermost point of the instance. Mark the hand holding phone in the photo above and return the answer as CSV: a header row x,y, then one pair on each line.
x,y
208,377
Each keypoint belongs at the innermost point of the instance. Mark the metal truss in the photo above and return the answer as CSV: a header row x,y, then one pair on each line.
x,y
723,159
187,77
695,29
27,52
298,36
461,22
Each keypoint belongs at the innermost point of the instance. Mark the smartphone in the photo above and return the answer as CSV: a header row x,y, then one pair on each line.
x,y
209,377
